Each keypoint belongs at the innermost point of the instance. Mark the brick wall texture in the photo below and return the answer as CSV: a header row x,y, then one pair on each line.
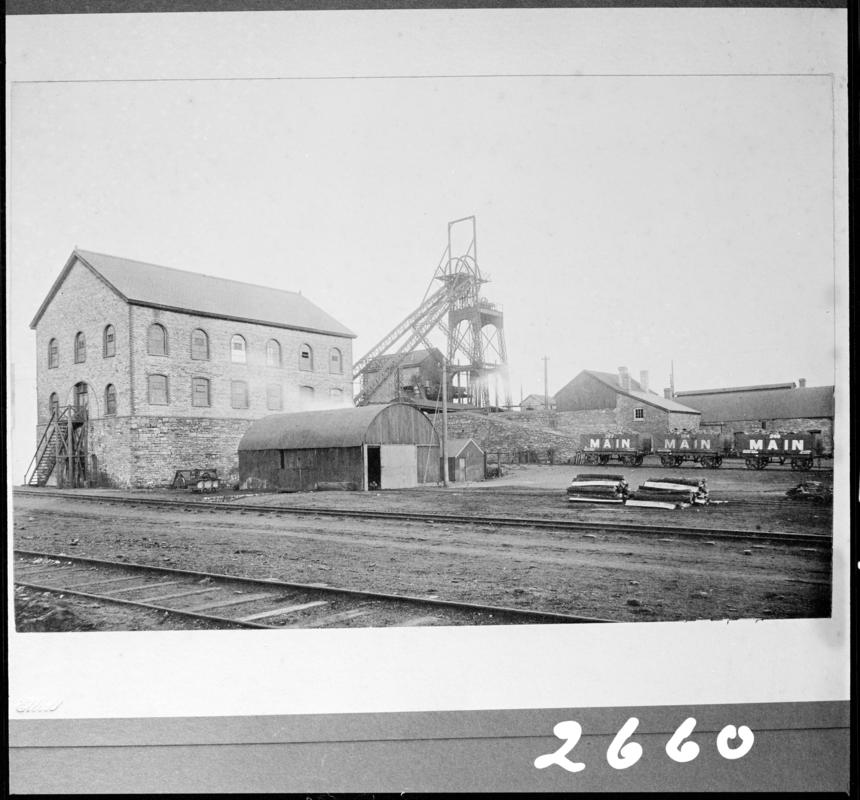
x,y
143,441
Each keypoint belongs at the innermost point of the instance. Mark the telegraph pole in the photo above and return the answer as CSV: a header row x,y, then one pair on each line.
x,y
444,422
545,385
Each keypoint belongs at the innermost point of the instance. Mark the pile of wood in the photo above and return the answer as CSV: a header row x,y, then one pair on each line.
x,y
813,491
670,493
589,488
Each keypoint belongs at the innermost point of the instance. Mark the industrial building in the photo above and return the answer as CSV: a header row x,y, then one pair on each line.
x,y
370,447
768,407
143,370
466,461
615,402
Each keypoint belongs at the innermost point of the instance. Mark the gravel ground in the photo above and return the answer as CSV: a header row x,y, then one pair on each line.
x,y
612,576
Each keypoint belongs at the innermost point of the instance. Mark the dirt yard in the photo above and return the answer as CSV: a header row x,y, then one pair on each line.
x,y
608,575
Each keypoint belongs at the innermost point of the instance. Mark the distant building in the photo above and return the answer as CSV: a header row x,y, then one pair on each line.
x,y
770,407
417,377
536,402
605,401
143,370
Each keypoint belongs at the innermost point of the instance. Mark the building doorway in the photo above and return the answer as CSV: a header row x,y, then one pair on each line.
x,y
374,468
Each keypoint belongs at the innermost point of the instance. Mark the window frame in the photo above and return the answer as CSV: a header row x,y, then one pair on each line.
x,y
53,353
149,387
303,358
247,394
279,361
165,340
639,413
237,337
194,383
194,353
80,348
53,403
339,370
280,397
110,400
109,345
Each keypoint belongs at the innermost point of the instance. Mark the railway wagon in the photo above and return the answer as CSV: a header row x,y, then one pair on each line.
x,y
676,448
601,448
762,448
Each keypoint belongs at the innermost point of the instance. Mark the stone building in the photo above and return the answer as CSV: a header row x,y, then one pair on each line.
x,y
770,407
622,404
165,369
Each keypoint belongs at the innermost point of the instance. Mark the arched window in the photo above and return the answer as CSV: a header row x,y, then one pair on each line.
x,y
274,397
200,392
306,395
53,354
156,340
109,345
199,345
157,390
273,353
237,349
80,348
306,358
53,404
335,361
82,397
110,399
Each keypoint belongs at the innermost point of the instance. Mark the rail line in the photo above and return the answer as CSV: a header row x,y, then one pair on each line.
x,y
454,519
254,602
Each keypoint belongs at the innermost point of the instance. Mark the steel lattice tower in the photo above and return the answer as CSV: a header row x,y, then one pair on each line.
x,y
473,329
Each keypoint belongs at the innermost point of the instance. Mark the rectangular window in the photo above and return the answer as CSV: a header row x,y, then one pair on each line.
x,y
638,413
157,385
764,424
200,392
274,397
238,394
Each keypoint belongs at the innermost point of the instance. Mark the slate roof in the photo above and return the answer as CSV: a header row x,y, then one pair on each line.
x,y
649,398
721,405
139,283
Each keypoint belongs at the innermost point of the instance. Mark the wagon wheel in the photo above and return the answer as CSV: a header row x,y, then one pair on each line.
x,y
628,461
667,461
604,459
679,460
801,463
590,458
638,460
718,461
707,462
760,463
751,463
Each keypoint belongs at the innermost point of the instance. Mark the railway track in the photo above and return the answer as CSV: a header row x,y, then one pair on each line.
x,y
675,531
231,601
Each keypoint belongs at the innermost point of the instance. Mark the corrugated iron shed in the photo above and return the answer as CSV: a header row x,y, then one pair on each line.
x,y
140,283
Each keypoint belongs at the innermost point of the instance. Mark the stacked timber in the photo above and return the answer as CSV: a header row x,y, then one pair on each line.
x,y
588,488
670,493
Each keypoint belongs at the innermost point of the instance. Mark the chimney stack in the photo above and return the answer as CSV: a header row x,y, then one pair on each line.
x,y
643,380
801,383
624,379
667,393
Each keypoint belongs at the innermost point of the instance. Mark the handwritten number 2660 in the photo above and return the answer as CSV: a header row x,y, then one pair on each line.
x,y
623,753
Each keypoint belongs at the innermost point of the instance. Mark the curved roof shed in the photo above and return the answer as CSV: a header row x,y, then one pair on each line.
x,y
397,423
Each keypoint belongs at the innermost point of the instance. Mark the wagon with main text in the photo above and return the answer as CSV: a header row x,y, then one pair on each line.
x,y
676,448
601,448
762,448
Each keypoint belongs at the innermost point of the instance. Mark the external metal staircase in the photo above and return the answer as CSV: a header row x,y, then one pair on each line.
x,y
62,450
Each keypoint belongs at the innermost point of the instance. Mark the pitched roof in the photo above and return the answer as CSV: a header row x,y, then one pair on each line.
x,y
144,284
457,446
724,406
760,388
649,398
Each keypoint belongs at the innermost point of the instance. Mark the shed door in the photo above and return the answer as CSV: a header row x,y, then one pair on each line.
x,y
399,465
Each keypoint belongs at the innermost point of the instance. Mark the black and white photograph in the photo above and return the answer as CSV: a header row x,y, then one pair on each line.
x,y
445,361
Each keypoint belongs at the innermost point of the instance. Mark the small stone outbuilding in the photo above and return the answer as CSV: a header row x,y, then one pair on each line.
x,y
370,447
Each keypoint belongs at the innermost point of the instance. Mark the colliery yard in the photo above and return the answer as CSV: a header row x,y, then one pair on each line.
x,y
510,551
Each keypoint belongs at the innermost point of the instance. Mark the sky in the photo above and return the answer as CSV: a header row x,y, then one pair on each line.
x,y
639,202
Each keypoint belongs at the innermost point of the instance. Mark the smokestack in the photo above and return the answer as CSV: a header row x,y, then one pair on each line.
x,y
624,379
801,383
643,379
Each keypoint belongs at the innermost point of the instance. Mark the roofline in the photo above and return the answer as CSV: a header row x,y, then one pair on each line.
x,y
765,387
77,256
55,287
212,315
651,403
